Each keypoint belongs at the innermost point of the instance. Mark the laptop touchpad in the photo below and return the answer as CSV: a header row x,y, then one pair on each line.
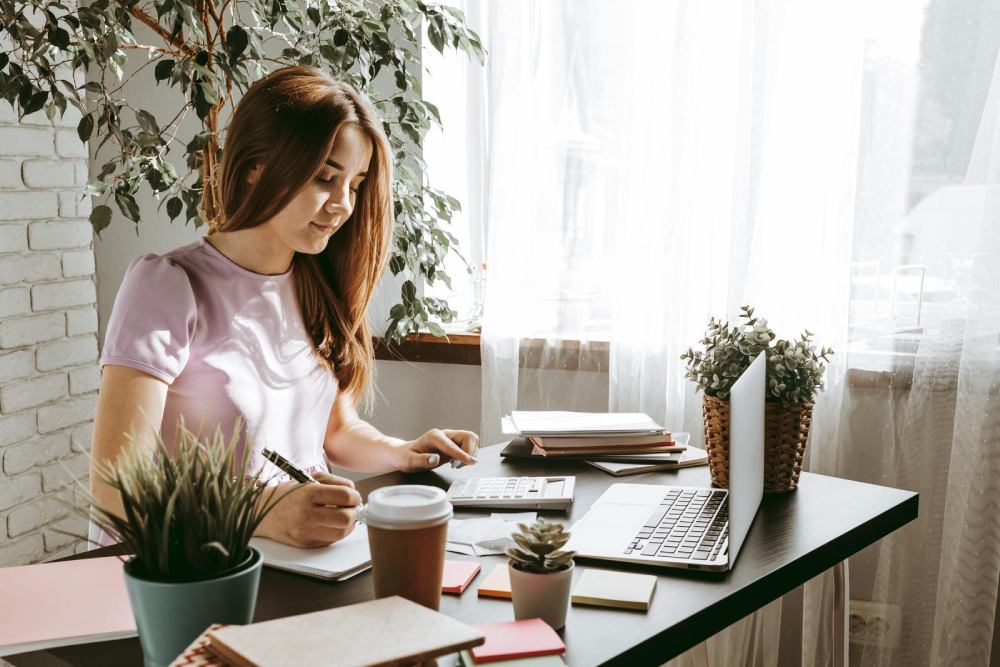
x,y
606,527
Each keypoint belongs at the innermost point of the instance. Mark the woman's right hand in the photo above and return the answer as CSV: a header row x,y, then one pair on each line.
x,y
313,516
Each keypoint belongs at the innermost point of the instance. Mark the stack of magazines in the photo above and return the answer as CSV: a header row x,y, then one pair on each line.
x,y
618,443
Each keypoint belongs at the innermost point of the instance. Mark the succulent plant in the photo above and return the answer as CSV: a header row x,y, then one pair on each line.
x,y
794,368
539,547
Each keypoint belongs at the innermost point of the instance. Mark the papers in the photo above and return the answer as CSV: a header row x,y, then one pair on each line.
x,y
486,536
542,423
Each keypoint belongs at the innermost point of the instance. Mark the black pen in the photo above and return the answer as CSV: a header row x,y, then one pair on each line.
x,y
295,472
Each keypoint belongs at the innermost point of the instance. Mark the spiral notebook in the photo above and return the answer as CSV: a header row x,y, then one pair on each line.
x,y
336,562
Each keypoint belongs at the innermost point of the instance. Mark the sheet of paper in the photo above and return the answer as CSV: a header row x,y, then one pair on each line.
x,y
485,536
514,516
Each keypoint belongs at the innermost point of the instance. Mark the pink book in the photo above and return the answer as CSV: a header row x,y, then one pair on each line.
x,y
517,639
458,574
56,604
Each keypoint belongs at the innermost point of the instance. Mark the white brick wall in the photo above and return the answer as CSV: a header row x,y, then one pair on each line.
x,y
48,342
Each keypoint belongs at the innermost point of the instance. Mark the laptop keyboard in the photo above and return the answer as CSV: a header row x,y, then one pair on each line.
x,y
691,524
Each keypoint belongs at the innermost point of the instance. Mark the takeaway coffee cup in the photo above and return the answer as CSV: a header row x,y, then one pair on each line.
x,y
407,530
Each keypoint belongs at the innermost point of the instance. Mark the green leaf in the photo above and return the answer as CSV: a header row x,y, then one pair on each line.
x,y
174,206
163,70
409,292
100,217
35,102
127,205
147,121
85,127
436,329
236,41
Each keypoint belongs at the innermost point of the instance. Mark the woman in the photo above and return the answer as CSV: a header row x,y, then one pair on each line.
x,y
264,318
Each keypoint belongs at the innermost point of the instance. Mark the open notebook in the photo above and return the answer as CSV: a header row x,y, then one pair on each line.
x,y
336,562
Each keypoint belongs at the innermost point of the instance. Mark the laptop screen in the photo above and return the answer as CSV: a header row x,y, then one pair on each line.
x,y
746,451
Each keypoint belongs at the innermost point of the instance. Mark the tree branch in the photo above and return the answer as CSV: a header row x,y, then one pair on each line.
x,y
160,30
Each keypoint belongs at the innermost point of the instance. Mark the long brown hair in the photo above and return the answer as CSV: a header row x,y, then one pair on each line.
x,y
286,122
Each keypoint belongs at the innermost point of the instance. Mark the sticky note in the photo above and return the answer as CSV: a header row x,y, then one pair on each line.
x,y
610,588
458,574
497,583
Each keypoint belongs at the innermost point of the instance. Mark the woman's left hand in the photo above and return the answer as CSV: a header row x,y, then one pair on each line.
x,y
438,446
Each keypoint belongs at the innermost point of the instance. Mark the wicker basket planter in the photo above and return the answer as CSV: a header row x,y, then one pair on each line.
x,y
786,431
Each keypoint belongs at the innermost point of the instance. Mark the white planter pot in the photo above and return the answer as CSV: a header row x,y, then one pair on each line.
x,y
544,596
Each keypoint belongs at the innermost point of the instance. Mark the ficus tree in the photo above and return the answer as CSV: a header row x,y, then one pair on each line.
x,y
205,51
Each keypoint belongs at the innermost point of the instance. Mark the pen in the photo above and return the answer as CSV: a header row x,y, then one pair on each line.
x,y
295,472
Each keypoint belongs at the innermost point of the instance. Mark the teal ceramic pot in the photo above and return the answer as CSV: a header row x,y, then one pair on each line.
x,y
169,616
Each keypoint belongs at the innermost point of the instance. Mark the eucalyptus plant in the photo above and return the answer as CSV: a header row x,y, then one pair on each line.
x,y
204,49
795,368
539,547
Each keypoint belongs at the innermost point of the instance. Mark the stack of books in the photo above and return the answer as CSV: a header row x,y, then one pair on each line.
x,y
617,443
579,434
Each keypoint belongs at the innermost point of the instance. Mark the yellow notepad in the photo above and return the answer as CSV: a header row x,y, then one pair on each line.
x,y
608,588
497,583
388,631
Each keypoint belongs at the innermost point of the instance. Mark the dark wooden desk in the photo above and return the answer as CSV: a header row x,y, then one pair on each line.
x,y
794,538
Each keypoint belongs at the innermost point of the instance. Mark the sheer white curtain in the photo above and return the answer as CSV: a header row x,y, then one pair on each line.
x,y
650,164
654,164
926,316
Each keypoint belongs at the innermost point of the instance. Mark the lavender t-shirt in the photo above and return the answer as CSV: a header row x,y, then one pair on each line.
x,y
229,342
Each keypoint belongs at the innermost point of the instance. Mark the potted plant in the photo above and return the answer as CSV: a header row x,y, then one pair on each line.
x,y
794,375
202,55
540,572
188,519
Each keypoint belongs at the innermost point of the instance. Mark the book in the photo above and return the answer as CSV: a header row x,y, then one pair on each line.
x,y
663,439
336,562
611,450
458,574
497,583
517,639
521,448
537,661
547,423
197,654
68,602
387,631
610,588
693,456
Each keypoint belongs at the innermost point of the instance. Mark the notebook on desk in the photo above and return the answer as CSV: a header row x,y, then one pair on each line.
x,y
336,562
69,602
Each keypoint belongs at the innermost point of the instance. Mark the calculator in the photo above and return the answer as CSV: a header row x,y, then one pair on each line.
x,y
550,492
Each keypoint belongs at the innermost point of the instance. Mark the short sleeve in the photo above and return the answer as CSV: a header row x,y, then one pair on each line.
x,y
153,319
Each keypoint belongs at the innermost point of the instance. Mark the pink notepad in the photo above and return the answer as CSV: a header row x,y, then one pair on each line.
x,y
55,604
517,639
458,574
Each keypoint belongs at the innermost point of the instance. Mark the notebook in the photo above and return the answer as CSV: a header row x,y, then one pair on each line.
x,y
693,456
609,588
537,661
69,602
336,562
387,631
517,639
497,583
458,574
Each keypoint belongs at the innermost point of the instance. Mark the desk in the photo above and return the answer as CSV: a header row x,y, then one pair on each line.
x,y
795,537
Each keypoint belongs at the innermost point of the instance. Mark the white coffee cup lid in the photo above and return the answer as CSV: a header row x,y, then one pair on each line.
x,y
407,506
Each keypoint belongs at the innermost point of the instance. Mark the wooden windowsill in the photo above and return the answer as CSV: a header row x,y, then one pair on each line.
x,y
570,355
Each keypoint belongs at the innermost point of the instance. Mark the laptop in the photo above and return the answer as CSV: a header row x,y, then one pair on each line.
x,y
694,528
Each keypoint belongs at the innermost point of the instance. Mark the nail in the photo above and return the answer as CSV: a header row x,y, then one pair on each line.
x,y
433,459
